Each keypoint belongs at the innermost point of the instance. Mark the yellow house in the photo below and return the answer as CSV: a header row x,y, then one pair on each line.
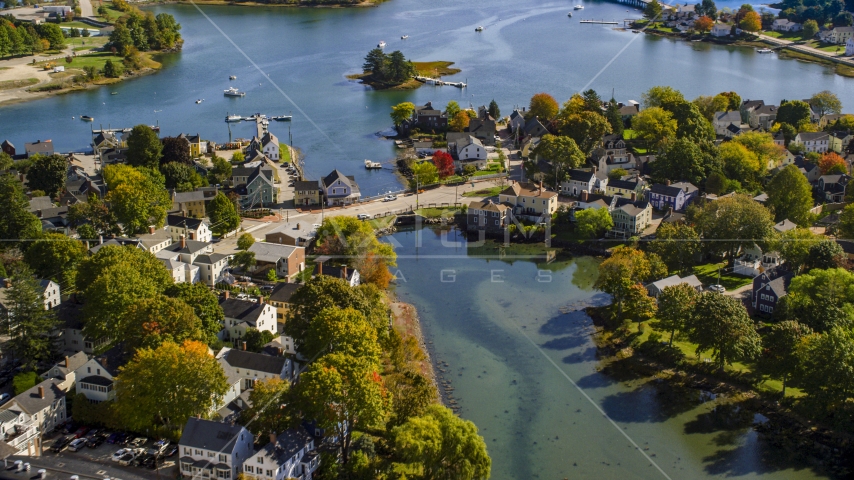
x,y
197,146
280,298
529,199
625,188
193,203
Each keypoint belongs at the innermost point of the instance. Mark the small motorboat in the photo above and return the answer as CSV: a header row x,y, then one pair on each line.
x,y
87,118
578,7
372,165
765,50
114,93
569,14
200,100
156,128
233,118
233,77
233,92
478,29
282,118
381,44
404,37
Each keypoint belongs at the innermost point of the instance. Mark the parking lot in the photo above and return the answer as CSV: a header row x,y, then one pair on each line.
x,y
99,461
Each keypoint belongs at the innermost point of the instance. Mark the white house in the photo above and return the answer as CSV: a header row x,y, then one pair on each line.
x,y
64,370
241,315
25,419
288,455
340,189
468,150
580,181
722,120
287,260
813,141
849,47
95,377
721,30
655,288
191,228
196,259
785,25
209,449
269,146
836,35
251,367
49,288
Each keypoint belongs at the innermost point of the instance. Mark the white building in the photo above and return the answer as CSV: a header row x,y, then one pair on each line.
x,y
251,367
289,455
241,315
721,30
210,449
191,228
96,377
64,370
25,419
785,25
813,141
468,150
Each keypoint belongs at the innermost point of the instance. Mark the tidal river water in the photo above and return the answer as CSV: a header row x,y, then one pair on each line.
x,y
295,60
523,366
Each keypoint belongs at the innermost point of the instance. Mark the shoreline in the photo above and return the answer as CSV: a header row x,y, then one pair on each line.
x,y
407,319
231,3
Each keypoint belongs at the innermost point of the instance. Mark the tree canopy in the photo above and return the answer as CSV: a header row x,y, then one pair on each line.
x,y
137,197
56,256
721,324
222,214
144,147
790,196
152,321
47,173
562,152
543,106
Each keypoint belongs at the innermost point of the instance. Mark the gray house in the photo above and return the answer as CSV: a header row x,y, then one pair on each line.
x,y
340,189
209,449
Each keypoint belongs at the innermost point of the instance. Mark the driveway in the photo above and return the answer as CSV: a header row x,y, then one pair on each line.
x,y
86,8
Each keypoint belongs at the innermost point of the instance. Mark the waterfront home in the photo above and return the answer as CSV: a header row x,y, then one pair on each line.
x,y
106,144
785,25
268,145
298,234
429,119
188,227
349,275
849,46
307,193
198,147
254,186
722,120
241,315
49,290
631,217
632,187
769,287
285,260
833,187
95,378
676,196
39,147
836,35
762,117
838,141
655,288
7,148
516,120
529,200
210,449
288,455
193,203
488,216
468,150
722,30
818,142
483,127
27,418
580,181
340,189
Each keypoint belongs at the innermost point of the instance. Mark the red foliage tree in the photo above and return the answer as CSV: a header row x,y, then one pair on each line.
x,y
444,163
831,163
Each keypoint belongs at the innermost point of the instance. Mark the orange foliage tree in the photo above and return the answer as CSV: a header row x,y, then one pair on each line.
x,y
543,106
444,163
704,24
373,269
831,163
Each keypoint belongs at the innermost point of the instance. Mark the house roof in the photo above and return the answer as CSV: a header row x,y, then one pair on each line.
x,y
96,380
191,246
527,190
732,116
812,136
113,359
287,445
209,435
31,402
252,361
785,226
73,362
667,190
631,184
70,314
581,175
674,280
181,221
40,146
752,104
634,209
283,292
272,252
780,284
241,309
40,203
767,110
303,229
631,109
310,185
335,176
209,259
489,205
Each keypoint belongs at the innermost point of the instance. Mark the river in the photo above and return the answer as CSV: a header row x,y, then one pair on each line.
x,y
524,368
525,48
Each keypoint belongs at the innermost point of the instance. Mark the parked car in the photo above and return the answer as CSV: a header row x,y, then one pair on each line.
x,y
61,444
127,458
363,216
4,397
153,463
138,442
171,451
81,432
390,198
115,438
119,454
95,441
77,444
141,459
717,288
69,427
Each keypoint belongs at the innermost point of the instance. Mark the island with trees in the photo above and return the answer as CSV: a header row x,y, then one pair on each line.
x,y
384,71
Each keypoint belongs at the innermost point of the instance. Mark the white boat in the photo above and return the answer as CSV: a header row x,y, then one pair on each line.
x,y
578,7
478,29
233,77
372,165
200,100
381,44
282,118
765,50
233,118
233,92
404,37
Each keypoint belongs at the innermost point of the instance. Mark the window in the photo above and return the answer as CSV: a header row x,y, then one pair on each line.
x,y
269,473
261,460
249,468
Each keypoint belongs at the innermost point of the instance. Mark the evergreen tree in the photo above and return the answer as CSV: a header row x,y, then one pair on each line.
x,y
614,118
110,69
375,63
29,323
494,112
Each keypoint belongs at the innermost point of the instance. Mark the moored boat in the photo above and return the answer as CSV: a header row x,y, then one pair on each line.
x,y
87,118
233,92
578,7
282,118
404,37
372,165
233,118
478,29
381,44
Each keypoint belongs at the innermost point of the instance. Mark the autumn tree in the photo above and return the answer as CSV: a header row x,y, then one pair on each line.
x,y
267,412
751,22
373,269
586,129
152,321
826,102
675,308
562,152
543,106
654,126
440,445
831,163
167,385
639,305
677,244
459,122
444,163
626,267
846,222
245,241
721,324
56,256
222,214
343,394
762,145
205,305
704,24
402,112
144,147
424,173
452,109
794,112
137,196
681,160
663,97
780,359
47,173
350,239
345,331
410,392
790,196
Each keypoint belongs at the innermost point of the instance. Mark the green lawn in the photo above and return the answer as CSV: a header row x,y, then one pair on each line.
x,y
826,47
708,274
484,192
436,212
791,36
284,153
96,60
77,24
9,84
629,134
87,41
112,13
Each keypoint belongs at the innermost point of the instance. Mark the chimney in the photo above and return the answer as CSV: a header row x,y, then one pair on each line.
x,y
151,229
320,268
191,235
261,300
281,351
183,241
244,346
541,186
66,362
273,438
344,272
297,226
634,196
667,182
39,213
226,294
100,239
41,392
584,195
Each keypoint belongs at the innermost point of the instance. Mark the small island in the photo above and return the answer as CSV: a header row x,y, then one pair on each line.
x,y
394,72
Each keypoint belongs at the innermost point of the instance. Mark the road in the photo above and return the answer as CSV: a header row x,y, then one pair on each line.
x,y
86,8
808,50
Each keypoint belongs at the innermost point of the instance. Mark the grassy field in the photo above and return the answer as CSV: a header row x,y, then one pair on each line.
x,y
112,13
484,192
826,47
438,68
437,212
9,84
77,24
87,41
285,153
629,134
708,274
791,36
382,222
96,60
